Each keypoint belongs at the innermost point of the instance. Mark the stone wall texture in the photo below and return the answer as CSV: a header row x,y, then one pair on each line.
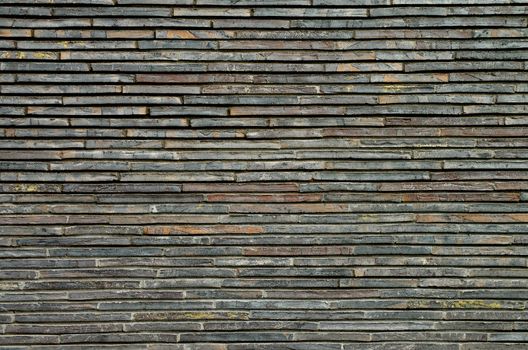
x,y
264,174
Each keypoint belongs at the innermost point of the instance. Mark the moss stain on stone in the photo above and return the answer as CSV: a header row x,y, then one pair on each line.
x,y
26,188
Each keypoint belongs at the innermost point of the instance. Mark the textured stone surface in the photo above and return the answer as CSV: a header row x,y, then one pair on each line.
x,y
264,174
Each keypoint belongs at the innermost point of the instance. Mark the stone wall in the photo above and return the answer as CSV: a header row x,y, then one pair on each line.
x,y
263,174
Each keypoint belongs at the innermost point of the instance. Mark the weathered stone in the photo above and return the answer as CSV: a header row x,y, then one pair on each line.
x,y
249,175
